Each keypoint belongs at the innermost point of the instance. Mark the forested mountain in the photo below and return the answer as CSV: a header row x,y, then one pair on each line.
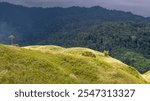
x,y
124,35
37,23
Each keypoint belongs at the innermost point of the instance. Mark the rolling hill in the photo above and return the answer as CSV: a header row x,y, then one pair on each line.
x,y
58,65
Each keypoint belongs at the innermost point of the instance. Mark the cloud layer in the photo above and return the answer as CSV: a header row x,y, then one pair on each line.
x,y
140,7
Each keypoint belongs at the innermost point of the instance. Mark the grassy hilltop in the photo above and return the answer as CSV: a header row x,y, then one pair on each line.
x,y
54,64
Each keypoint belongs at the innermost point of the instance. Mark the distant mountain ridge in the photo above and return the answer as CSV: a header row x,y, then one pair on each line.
x,y
34,22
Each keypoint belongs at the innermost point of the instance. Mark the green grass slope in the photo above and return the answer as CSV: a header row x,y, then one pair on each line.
x,y
54,64
147,76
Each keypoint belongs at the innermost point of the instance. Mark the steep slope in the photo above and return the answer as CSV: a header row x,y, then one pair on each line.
x,y
133,58
53,64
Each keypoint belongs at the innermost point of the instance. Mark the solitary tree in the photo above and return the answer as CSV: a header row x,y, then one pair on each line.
x,y
106,53
12,37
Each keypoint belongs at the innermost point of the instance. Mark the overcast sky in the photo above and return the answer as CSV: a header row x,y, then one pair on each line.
x,y
140,7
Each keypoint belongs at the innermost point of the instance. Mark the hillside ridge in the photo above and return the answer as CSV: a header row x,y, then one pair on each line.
x,y
54,64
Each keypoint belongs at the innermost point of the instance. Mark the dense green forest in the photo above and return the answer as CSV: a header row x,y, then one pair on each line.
x,y
126,36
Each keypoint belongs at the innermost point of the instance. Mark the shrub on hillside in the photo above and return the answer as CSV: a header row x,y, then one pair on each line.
x,y
89,54
106,53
